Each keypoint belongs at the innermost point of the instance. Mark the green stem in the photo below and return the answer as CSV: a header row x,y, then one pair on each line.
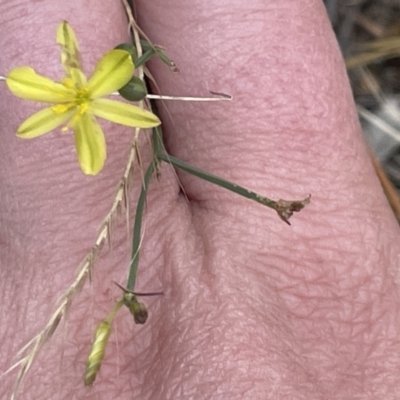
x,y
158,144
176,162
144,58
114,311
137,228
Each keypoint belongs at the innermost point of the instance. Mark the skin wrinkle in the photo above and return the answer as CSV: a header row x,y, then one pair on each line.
x,y
307,296
273,95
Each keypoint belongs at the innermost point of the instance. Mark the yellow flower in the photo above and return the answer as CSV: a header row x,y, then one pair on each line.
x,y
76,101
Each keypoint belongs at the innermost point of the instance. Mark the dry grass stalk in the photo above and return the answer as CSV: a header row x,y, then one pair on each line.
x,y
387,186
370,26
380,49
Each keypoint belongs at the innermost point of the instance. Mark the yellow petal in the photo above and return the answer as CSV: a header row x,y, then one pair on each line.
x,y
90,144
124,114
70,55
24,82
43,122
112,72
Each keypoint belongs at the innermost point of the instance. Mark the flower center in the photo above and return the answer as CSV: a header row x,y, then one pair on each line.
x,y
82,101
82,96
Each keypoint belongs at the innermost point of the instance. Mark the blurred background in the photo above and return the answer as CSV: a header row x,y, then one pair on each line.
x,y
368,32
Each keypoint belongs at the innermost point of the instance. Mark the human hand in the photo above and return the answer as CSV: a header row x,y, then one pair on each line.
x,y
252,308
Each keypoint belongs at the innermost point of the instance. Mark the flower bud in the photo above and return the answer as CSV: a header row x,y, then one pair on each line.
x,y
130,48
97,351
139,312
137,309
134,90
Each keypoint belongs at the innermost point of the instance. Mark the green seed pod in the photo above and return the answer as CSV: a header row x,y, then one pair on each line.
x,y
97,351
137,309
139,312
134,90
130,48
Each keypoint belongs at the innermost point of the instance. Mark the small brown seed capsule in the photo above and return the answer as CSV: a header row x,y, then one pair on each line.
x,y
139,312
137,309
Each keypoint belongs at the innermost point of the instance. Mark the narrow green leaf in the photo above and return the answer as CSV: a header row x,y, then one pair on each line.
x,y
176,162
137,228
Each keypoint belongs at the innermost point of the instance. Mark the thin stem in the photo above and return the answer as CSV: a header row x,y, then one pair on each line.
x,y
158,144
144,57
187,98
137,228
114,311
176,162
179,98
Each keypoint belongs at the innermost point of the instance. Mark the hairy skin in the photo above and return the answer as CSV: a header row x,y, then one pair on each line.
x,y
252,308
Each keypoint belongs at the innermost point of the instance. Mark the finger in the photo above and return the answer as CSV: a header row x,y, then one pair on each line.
x,y
51,213
292,121
291,130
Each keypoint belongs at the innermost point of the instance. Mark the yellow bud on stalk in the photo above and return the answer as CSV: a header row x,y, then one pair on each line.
x,y
97,351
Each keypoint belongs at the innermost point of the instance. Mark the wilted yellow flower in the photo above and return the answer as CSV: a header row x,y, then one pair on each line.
x,y
76,101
